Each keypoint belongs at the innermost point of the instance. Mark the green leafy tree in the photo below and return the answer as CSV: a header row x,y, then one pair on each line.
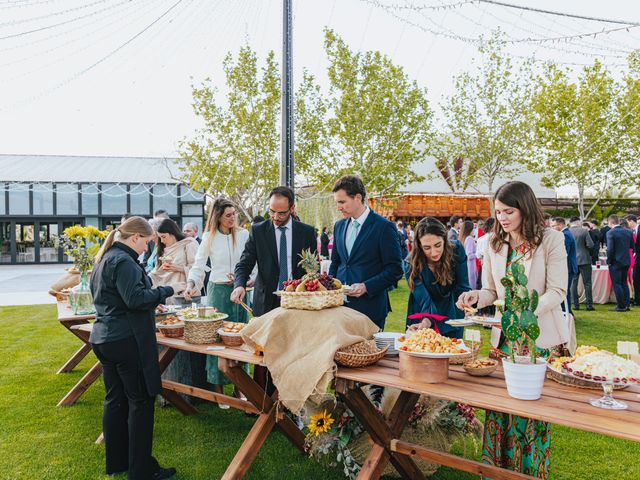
x,y
374,121
629,121
484,121
575,131
237,152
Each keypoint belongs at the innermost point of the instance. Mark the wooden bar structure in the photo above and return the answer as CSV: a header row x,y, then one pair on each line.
x,y
419,205
67,319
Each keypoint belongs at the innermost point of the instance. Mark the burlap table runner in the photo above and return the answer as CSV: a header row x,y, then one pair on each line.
x,y
299,346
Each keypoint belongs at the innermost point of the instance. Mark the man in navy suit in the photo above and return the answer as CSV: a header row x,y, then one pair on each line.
x,y
560,224
366,252
619,242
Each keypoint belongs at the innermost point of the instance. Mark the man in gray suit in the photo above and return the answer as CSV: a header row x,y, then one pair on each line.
x,y
584,244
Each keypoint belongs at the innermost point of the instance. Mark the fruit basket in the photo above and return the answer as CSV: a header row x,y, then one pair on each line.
x,y
314,291
361,354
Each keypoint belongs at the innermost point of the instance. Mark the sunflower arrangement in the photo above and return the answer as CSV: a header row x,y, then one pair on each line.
x,y
81,244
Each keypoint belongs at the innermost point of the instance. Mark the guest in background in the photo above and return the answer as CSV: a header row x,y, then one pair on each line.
x,y
619,241
469,245
481,247
437,276
257,219
324,242
151,254
124,340
455,224
520,237
559,224
635,230
366,251
594,233
409,231
584,245
222,245
603,232
191,230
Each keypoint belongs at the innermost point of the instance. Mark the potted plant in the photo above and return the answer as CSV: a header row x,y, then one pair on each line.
x,y
524,373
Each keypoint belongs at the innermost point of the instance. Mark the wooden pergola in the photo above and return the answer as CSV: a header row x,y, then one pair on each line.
x,y
418,205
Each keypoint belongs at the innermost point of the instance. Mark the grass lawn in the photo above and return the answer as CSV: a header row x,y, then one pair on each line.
x,y
39,440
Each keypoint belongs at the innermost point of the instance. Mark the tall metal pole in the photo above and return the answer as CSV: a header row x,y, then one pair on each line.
x,y
286,135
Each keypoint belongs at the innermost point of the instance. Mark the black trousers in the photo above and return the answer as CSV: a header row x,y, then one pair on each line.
x,y
618,274
636,282
585,272
128,411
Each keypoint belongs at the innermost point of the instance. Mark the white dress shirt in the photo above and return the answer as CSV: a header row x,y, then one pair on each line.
x,y
289,236
223,255
361,219
481,245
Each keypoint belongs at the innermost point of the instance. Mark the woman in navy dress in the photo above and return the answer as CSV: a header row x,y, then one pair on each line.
x,y
437,275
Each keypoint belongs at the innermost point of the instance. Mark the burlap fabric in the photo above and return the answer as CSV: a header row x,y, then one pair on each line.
x,y
299,346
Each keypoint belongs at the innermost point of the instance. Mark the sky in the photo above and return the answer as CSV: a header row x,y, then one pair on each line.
x,y
114,77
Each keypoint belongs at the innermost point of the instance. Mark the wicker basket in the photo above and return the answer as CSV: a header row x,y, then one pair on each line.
x,y
572,381
311,300
462,359
201,331
171,331
346,358
480,371
230,339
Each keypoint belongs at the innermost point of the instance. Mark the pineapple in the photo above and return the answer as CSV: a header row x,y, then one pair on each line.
x,y
309,263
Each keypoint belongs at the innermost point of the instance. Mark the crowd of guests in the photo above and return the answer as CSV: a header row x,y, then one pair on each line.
x,y
144,264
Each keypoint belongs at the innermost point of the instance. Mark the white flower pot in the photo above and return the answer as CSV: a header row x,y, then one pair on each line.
x,y
524,380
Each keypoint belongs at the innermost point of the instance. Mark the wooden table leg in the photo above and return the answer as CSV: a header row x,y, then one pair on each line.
x,y
256,395
381,432
85,382
75,359
165,357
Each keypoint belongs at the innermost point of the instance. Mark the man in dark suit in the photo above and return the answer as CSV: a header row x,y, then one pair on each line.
x,y
324,242
594,233
603,235
275,246
584,244
366,251
635,231
619,242
559,223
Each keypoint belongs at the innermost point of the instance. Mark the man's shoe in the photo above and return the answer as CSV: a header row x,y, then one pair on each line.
x,y
164,473
590,309
576,308
618,310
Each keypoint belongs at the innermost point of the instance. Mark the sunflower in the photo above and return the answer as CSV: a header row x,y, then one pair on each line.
x,y
75,232
320,422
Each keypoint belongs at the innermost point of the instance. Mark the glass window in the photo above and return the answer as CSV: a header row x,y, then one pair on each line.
x,y
188,195
89,199
164,198
43,199
5,242
191,209
196,220
93,221
67,199
114,199
3,186
139,200
18,199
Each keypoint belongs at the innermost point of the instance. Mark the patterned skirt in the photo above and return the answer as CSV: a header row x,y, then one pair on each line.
x,y
218,296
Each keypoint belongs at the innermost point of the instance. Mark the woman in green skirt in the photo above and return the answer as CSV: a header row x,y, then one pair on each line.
x,y
222,243
520,236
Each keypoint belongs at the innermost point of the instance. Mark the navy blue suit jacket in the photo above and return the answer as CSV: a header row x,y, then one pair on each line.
x,y
619,242
375,260
570,247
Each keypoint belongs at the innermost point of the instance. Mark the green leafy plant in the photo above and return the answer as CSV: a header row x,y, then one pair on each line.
x,y
518,320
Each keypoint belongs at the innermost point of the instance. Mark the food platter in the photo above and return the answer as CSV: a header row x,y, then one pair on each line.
x,y
403,344
343,289
459,322
486,321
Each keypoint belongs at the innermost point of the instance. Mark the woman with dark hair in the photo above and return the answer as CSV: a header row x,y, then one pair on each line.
x,y
176,255
124,340
223,243
520,237
469,244
437,276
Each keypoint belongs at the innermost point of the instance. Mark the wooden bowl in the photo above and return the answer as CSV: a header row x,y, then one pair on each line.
x,y
230,339
171,331
480,371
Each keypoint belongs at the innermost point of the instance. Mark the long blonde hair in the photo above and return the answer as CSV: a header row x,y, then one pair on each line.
x,y
220,204
128,228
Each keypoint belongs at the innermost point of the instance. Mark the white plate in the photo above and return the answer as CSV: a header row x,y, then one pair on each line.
x,y
228,334
175,325
387,336
459,322
486,320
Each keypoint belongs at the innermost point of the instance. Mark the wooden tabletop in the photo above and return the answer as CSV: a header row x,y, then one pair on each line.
x,y
66,314
560,404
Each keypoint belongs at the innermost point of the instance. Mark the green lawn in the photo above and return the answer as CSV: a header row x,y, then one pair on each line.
x,y
39,440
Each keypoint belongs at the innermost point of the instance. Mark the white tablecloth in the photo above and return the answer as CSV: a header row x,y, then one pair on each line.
x,y
324,266
600,285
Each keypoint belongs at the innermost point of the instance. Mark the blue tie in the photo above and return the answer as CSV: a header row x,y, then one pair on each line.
x,y
355,226
284,271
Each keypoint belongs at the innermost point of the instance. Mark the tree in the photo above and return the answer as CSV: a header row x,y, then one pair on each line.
x,y
575,131
485,120
629,121
237,152
374,121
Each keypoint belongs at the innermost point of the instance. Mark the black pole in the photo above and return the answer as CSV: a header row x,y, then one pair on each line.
x,y
286,135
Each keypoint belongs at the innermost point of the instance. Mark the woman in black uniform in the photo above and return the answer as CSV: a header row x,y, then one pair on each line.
x,y
124,340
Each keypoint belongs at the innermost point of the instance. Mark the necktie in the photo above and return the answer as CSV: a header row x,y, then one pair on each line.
x,y
355,226
284,271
